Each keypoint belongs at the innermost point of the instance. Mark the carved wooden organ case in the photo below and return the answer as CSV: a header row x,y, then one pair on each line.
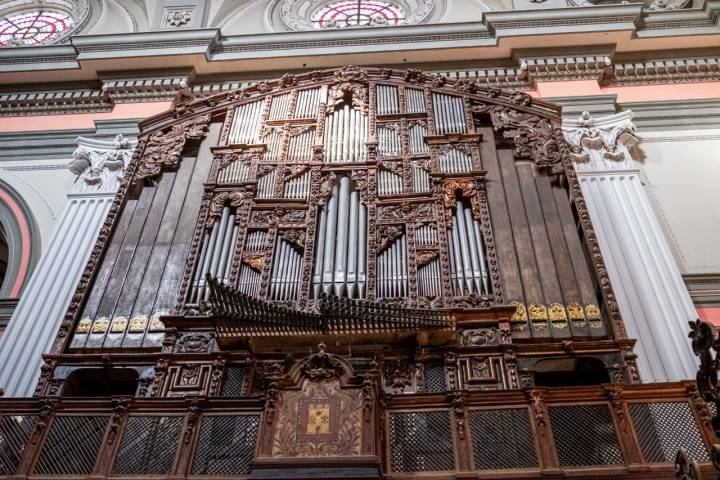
x,y
430,231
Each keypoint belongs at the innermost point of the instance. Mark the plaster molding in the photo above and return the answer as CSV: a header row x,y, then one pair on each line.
x,y
99,165
602,144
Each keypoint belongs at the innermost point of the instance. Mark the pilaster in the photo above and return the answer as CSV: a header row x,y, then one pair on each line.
x,y
652,296
98,166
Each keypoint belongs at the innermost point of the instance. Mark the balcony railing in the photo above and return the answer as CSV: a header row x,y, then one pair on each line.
x,y
603,432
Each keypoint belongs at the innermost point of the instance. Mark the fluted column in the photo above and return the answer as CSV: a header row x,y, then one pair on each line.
x,y
651,294
99,166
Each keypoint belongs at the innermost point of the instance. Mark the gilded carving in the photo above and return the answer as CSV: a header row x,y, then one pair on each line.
x,y
466,189
520,314
83,326
592,312
100,325
537,312
118,325
423,257
575,311
556,313
138,324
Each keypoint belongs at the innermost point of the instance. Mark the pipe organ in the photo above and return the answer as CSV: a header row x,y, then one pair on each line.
x,y
327,172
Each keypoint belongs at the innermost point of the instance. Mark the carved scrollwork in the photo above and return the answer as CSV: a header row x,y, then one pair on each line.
x,y
387,234
467,189
405,211
479,337
223,199
321,365
164,147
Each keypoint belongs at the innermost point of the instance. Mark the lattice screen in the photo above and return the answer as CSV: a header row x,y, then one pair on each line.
x,y
585,435
664,428
72,445
421,442
233,383
226,445
15,433
502,439
434,376
148,445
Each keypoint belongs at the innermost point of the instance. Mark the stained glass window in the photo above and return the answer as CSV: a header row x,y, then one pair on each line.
x,y
33,27
354,13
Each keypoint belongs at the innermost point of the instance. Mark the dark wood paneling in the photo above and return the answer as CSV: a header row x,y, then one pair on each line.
x,y
108,261
175,265
161,248
127,250
539,234
520,229
502,230
139,264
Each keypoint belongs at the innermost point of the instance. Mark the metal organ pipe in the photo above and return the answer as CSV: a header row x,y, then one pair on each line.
x,y
307,103
415,100
298,187
341,249
246,123
389,143
249,278
392,270
346,138
235,172
286,269
455,161
421,178
215,254
449,114
387,100
389,183
266,184
417,140
429,279
279,106
467,257
300,146
426,235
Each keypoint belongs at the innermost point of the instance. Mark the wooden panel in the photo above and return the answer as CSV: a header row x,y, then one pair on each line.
x,y
520,229
139,263
175,265
108,262
560,251
127,250
161,248
502,231
538,232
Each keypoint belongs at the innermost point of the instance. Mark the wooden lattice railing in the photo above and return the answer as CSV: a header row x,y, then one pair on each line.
x,y
600,432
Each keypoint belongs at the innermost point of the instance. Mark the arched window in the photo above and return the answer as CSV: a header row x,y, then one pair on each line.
x,y
357,13
18,243
28,23
338,14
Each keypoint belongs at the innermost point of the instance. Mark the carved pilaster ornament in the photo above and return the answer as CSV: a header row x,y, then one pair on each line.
x,y
604,143
99,165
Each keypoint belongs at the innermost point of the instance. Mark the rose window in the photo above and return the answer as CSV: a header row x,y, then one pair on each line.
x,y
33,28
355,13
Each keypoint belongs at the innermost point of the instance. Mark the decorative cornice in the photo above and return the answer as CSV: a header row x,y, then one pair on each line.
x,y
153,88
54,102
100,165
674,70
601,144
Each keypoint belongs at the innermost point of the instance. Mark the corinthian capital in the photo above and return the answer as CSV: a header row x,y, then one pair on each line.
x,y
99,165
605,143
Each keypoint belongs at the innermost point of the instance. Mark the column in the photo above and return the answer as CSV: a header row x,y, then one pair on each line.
x,y
99,166
651,294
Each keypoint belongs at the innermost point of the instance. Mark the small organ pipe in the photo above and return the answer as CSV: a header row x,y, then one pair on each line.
x,y
474,254
246,123
353,245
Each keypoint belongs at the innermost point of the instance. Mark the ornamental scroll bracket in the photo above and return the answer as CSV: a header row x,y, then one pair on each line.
x,y
464,189
164,147
533,137
322,366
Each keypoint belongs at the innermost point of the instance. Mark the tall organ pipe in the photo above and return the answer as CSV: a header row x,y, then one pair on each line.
x,y
341,244
307,103
387,99
415,100
467,258
346,136
429,279
246,123
215,255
